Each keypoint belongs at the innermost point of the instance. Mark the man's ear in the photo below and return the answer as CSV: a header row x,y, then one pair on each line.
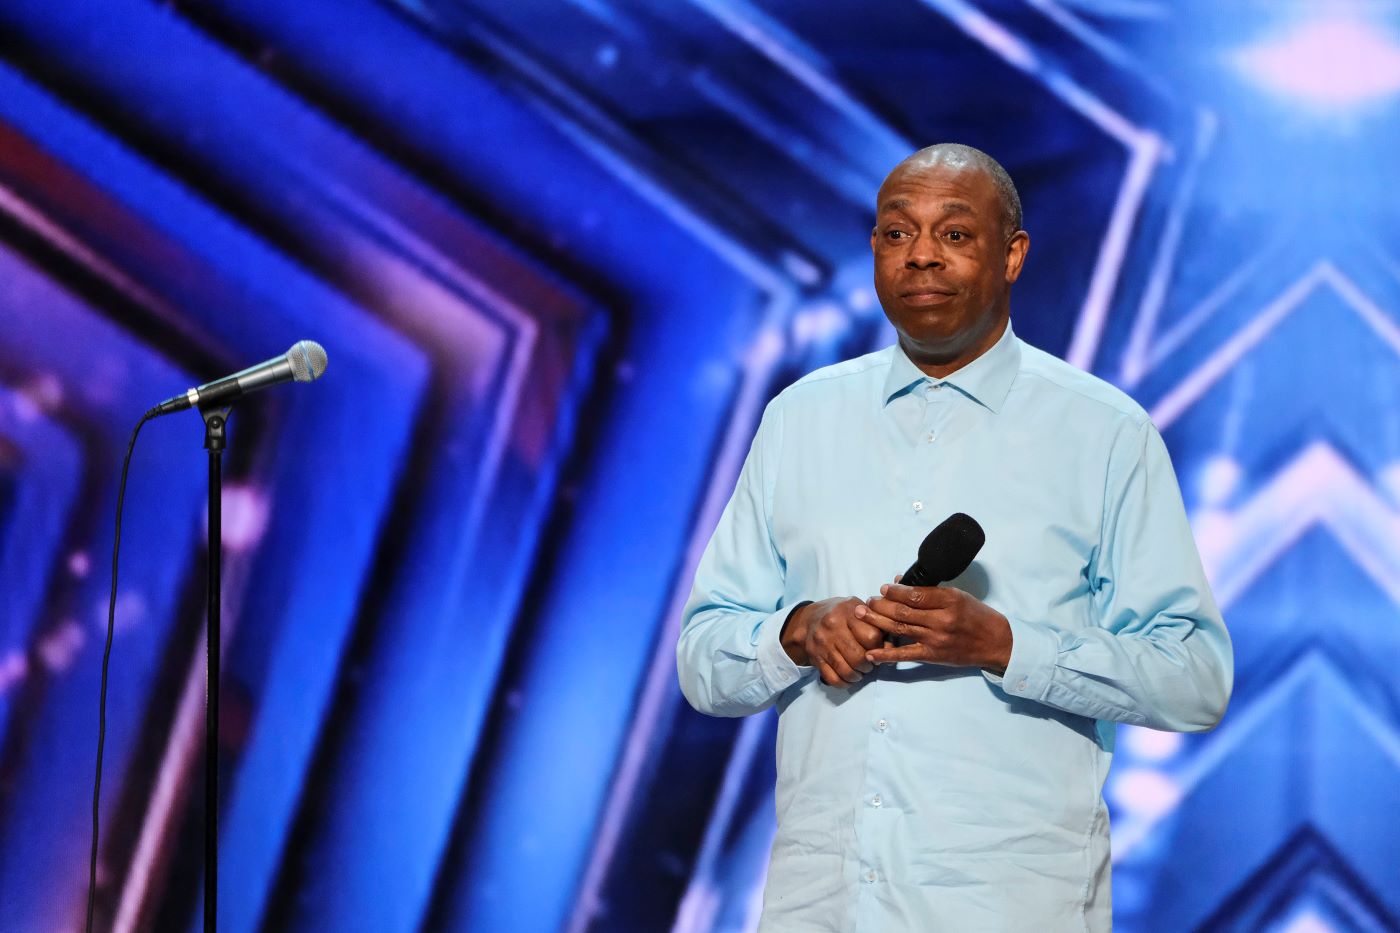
x,y
1016,249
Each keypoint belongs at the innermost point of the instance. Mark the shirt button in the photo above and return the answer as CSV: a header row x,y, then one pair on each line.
x,y
877,801
870,876
882,725
918,506
1021,686
930,437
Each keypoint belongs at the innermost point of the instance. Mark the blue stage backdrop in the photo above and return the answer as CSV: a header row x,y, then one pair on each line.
x,y
561,254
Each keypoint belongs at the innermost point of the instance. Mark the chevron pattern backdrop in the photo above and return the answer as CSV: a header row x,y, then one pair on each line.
x,y
561,254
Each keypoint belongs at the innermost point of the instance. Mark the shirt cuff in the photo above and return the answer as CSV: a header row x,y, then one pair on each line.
x,y
779,671
1034,651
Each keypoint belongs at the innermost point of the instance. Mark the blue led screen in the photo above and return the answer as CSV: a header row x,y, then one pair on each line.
x,y
560,255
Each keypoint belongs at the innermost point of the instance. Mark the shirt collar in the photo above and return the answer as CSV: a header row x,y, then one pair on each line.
x,y
986,380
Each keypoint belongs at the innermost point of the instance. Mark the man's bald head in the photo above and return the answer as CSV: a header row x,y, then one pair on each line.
x,y
958,157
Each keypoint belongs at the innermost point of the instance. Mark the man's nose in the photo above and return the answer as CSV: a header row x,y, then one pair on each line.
x,y
924,254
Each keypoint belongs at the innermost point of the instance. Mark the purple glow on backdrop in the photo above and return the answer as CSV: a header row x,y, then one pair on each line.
x,y
1336,61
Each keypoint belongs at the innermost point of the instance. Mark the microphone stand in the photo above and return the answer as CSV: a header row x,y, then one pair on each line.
x,y
215,423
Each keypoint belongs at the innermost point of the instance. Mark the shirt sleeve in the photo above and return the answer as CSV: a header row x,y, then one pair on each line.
x,y
1159,655
728,656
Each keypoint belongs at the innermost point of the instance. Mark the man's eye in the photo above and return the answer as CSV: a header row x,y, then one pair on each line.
x,y
895,234
955,235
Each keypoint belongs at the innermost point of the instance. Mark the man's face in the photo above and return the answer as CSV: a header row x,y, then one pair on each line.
x,y
944,262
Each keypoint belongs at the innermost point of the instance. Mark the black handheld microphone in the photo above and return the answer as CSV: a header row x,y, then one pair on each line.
x,y
946,552
305,361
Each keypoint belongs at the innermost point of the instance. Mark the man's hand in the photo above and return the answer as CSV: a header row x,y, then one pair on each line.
x,y
830,637
943,625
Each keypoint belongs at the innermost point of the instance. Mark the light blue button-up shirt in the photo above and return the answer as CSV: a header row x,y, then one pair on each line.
x,y
936,798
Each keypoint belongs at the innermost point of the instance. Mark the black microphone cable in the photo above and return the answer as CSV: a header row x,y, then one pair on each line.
x,y
106,657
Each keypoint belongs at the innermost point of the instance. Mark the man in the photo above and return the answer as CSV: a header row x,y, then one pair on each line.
x,y
942,750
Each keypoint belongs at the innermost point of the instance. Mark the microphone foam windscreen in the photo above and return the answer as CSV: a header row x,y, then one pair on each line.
x,y
949,549
308,359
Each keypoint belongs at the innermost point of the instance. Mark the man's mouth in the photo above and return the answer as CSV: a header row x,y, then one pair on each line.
x,y
927,296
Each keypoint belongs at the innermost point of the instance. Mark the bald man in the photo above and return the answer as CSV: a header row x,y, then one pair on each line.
x,y
942,750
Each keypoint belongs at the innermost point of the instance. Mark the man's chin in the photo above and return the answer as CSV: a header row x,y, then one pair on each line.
x,y
932,324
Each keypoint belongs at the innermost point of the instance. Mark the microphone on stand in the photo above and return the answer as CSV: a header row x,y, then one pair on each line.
x,y
305,361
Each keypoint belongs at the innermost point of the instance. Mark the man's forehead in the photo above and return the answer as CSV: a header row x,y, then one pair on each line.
x,y
947,206
962,186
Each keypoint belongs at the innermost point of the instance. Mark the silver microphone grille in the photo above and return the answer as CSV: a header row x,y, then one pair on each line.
x,y
308,359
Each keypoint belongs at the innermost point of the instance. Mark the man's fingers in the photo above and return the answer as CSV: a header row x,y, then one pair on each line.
x,y
852,652
918,597
865,634
871,616
905,618
829,676
842,668
891,655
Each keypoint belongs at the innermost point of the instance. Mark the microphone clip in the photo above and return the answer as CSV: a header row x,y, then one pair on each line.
x,y
215,426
